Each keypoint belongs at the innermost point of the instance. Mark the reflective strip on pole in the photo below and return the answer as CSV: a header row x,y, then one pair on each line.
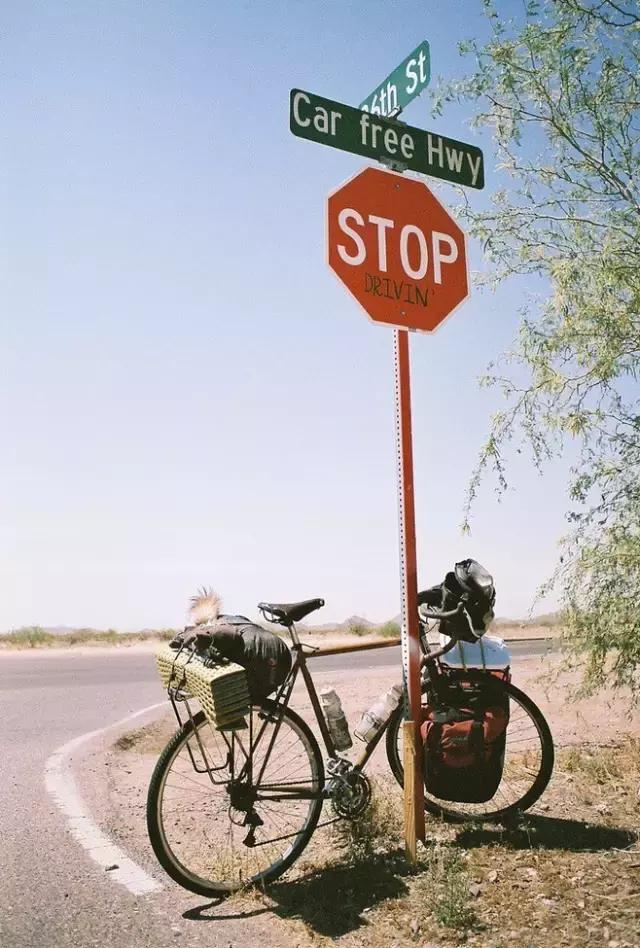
x,y
411,652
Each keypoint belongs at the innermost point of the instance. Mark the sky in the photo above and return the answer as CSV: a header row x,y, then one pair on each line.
x,y
190,395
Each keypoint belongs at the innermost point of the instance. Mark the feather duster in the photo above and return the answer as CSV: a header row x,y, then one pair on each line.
x,y
205,607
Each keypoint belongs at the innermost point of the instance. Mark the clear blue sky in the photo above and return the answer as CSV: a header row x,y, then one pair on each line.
x,y
189,394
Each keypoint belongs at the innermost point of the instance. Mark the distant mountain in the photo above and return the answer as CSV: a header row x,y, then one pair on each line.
x,y
548,620
68,629
50,629
356,620
327,626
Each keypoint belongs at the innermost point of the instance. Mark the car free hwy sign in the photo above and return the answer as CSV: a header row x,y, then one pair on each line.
x,y
382,139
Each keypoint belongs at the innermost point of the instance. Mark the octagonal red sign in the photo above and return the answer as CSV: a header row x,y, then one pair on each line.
x,y
397,249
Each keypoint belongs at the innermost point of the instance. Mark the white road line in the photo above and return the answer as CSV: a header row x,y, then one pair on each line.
x,y
62,787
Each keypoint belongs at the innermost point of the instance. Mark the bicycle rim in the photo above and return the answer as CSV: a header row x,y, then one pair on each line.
x,y
201,826
528,764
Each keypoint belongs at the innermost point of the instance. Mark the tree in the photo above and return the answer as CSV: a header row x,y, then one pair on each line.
x,y
560,89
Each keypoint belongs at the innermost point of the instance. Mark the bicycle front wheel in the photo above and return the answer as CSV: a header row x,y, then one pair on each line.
x,y
528,759
230,809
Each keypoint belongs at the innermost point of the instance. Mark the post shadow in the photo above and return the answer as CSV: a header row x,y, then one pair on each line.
x,y
549,832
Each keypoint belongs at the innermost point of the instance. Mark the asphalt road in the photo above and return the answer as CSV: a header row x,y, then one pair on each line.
x,y
51,893
67,670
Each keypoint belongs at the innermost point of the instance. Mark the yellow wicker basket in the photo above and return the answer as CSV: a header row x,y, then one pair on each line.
x,y
222,690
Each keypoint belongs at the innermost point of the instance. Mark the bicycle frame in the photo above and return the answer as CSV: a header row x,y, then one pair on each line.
x,y
248,785
234,742
430,669
300,667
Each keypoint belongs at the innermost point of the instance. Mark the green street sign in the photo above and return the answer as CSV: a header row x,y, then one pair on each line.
x,y
403,85
397,145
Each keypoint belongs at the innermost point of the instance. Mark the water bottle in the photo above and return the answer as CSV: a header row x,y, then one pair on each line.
x,y
336,721
378,714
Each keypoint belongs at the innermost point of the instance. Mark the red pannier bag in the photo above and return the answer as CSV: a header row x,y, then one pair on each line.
x,y
464,751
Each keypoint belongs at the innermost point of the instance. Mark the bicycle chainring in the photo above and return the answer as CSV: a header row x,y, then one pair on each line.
x,y
350,795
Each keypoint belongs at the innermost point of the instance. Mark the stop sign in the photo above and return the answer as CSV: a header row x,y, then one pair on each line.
x,y
397,249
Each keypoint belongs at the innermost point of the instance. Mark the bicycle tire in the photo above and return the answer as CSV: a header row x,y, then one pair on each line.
x,y
465,812
164,850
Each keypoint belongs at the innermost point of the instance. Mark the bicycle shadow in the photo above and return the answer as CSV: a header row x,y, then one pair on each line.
x,y
332,900
549,832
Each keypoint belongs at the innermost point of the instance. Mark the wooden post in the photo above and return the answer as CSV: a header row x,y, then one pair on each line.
x,y
409,766
411,652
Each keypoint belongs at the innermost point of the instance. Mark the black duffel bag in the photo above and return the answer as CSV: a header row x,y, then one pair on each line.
x,y
266,658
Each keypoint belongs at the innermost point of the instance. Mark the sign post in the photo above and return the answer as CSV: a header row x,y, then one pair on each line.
x,y
411,653
403,257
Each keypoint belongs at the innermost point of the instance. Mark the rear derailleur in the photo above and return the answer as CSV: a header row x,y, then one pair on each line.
x,y
242,799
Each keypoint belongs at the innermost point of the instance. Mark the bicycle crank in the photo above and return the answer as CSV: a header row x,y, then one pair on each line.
x,y
348,789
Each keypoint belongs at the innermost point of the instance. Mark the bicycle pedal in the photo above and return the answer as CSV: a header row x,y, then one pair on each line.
x,y
250,838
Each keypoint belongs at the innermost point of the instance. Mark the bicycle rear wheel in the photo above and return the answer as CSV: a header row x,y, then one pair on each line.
x,y
528,759
220,825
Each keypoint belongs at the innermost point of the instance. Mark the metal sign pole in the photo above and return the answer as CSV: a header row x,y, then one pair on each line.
x,y
411,652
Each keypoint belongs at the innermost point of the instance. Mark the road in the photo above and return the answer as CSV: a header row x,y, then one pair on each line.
x,y
52,894
124,667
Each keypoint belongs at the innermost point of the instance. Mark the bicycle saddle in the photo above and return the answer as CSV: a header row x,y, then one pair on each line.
x,y
289,612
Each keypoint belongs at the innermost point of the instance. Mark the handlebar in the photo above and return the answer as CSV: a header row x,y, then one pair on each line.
x,y
432,656
425,614
428,614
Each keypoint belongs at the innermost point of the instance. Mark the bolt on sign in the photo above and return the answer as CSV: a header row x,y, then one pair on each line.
x,y
341,126
397,250
406,82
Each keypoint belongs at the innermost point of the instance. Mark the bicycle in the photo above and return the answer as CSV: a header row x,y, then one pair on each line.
x,y
228,809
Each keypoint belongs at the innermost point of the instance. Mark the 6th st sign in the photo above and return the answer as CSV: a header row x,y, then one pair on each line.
x,y
406,82
397,250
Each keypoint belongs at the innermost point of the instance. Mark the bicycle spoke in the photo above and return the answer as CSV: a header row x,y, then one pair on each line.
x,y
212,836
524,763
